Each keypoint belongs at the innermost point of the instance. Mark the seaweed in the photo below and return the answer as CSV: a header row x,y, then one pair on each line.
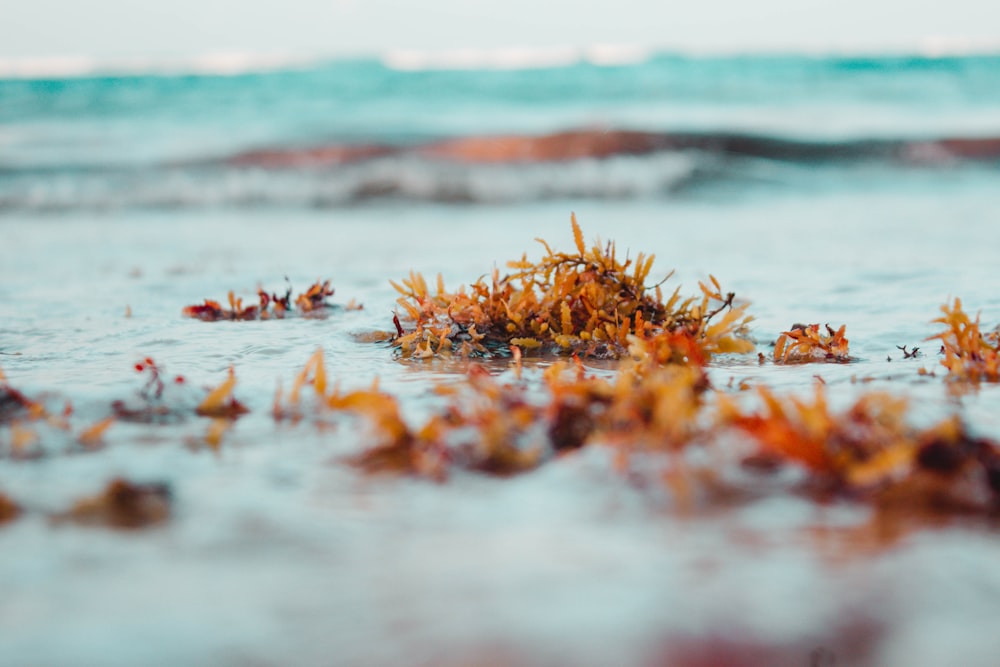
x,y
154,407
24,415
92,437
969,354
220,402
15,405
867,451
587,302
505,428
312,302
805,343
122,505
870,450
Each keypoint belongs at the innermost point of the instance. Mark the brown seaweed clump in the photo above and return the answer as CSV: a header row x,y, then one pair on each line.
x,y
587,302
870,450
122,504
270,306
969,354
804,343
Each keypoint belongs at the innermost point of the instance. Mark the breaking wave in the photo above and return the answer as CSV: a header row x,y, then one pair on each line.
x,y
484,170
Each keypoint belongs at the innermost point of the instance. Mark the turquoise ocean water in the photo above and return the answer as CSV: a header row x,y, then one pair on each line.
x,y
164,139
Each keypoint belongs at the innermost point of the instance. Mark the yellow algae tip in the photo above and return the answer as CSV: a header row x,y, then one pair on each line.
x,y
220,402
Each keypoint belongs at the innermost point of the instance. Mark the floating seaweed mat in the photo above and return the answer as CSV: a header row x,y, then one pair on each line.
x,y
312,302
868,451
587,302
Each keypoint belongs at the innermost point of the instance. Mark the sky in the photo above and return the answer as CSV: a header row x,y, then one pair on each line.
x,y
107,29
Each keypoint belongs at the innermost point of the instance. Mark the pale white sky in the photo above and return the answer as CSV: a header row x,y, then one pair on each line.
x,y
177,28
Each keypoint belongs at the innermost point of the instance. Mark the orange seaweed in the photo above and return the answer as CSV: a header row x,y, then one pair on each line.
x,y
220,401
969,354
870,449
93,436
804,343
586,302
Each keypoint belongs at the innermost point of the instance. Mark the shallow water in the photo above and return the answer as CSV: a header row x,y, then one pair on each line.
x,y
279,552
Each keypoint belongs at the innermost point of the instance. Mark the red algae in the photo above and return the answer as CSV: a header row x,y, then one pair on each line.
x,y
159,401
152,407
123,505
312,302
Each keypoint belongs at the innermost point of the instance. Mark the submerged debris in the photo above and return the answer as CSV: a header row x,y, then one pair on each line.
x,y
122,504
969,354
269,306
803,343
585,302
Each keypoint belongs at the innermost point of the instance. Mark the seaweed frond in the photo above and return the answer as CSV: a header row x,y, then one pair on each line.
x,y
969,354
220,401
9,510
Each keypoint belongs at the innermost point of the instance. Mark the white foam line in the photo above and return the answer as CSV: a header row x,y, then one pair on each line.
x,y
209,64
513,58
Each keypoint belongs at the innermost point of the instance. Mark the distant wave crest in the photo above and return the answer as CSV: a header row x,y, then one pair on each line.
x,y
482,170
